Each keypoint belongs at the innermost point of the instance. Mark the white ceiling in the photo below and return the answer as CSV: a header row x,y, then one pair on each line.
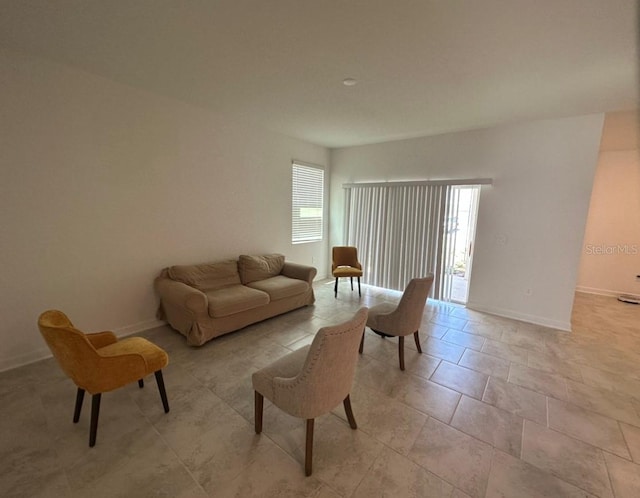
x,y
423,66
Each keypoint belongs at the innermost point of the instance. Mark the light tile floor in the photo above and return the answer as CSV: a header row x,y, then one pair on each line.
x,y
494,407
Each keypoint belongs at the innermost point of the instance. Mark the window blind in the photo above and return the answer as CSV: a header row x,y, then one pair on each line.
x,y
398,231
307,203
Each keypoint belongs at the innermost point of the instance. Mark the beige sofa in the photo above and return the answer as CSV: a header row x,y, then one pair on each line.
x,y
211,299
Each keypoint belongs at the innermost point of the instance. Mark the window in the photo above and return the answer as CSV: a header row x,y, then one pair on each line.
x,y
307,203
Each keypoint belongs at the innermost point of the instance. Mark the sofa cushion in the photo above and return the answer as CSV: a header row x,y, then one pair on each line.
x,y
280,287
207,276
234,299
253,268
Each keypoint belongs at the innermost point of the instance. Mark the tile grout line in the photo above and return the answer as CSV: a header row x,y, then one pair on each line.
x,y
455,410
546,398
524,421
486,386
444,479
606,466
162,438
624,438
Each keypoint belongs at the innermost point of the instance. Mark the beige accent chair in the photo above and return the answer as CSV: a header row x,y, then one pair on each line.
x,y
99,362
399,321
313,380
345,264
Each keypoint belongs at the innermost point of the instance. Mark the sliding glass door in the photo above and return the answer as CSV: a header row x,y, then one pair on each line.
x,y
406,230
458,241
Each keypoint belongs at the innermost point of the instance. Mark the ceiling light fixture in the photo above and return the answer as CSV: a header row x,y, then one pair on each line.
x,y
349,81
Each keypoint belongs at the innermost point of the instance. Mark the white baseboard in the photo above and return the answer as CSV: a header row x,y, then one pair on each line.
x,y
138,327
523,317
44,353
24,359
600,292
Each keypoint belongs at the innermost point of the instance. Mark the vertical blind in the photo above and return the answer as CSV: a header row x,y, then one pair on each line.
x,y
398,230
307,186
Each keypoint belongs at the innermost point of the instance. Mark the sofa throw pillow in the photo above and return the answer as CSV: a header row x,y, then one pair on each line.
x,y
253,268
208,276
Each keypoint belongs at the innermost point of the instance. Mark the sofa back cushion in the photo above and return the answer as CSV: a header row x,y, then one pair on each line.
x,y
207,276
253,268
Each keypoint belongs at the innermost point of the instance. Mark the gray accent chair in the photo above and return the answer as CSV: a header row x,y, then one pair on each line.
x,y
313,380
389,320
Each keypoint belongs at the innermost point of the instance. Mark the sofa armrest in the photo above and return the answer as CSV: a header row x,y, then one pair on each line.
x,y
182,295
301,272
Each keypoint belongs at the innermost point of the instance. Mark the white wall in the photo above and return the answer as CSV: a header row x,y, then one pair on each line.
x,y
530,222
103,185
611,250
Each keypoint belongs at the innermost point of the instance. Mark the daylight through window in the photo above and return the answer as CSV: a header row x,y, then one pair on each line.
x,y
307,206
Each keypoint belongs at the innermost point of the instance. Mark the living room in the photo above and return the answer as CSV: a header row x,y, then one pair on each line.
x,y
106,184
110,175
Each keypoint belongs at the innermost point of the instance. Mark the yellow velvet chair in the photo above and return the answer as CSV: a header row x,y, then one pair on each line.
x,y
99,362
345,264
389,320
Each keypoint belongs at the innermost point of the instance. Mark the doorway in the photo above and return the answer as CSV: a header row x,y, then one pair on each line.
x,y
458,241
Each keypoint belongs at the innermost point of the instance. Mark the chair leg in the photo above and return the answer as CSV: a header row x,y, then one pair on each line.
x,y
335,288
349,412
359,293
308,457
78,408
163,392
417,338
401,351
95,412
351,284
259,403
141,383
361,343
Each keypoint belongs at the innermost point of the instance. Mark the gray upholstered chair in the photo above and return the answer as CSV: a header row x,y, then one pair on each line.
x,y
313,380
389,320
